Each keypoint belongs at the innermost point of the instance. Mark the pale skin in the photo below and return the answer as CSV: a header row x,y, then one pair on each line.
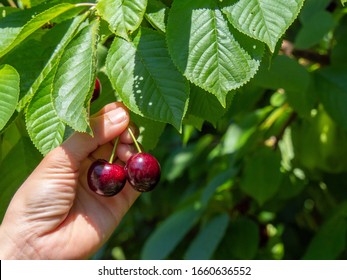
x,y
54,214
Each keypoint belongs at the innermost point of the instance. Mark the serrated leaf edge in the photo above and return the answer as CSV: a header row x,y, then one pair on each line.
x,y
272,49
221,100
138,112
94,61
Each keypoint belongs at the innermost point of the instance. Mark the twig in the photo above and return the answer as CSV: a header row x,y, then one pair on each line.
x,y
12,3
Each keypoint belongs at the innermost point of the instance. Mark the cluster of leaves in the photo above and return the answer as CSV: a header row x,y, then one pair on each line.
x,y
267,180
154,54
259,102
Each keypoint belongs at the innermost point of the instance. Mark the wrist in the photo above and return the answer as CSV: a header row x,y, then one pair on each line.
x,y
8,249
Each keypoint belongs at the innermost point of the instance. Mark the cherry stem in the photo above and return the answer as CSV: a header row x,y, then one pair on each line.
x,y
135,141
12,3
113,150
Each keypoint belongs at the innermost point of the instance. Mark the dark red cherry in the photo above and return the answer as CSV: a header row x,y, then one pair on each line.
x,y
97,90
143,172
106,179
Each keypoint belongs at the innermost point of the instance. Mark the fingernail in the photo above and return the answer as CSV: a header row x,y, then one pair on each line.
x,y
117,116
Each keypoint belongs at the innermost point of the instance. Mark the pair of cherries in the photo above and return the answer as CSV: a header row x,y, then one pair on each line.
x,y
142,171
106,178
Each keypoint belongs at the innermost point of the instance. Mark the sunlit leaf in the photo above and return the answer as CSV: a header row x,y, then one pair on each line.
x,y
18,26
45,51
9,93
264,20
205,49
145,78
156,14
45,128
75,78
123,16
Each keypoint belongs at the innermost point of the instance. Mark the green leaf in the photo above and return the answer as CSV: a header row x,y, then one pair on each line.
x,y
44,54
145,78
190,122
217,181
15,168
314,30
156,14
9,136
315,141
18,26
123,16
46,130
343,2
291,186
207,240
239,138
36,2
331,85
9,93
204,48
241,240
338,52
286,73
75,78
182,158
150,131
170,232
28,64
264,20
311,7
286,148
330,240
58,38
5,11
283,72
246,98
262,176
206,106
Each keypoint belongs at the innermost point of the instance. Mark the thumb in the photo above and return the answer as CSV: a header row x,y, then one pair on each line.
x,y
65,159
46,197
107,124
59,169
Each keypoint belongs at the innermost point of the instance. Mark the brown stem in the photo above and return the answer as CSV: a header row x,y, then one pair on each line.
x,y
288,49
12,3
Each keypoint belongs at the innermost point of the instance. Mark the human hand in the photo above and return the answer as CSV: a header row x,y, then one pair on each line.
x,y
54,214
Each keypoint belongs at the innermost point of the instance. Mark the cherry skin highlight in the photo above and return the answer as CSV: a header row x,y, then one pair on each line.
x,y
143,172
106,179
